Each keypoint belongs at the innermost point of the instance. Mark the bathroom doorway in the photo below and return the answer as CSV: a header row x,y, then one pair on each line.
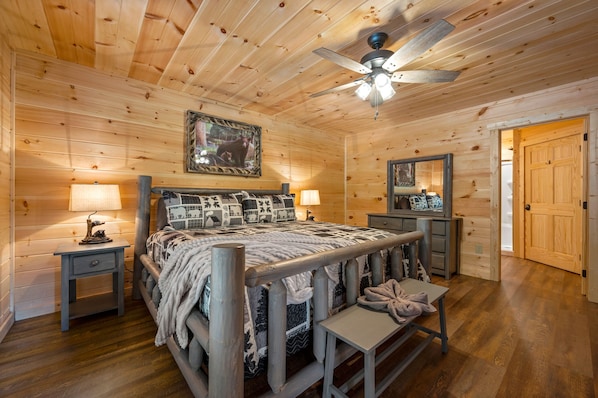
x,y
542,193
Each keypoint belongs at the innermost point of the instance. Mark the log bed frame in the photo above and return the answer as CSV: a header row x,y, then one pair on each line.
x,y
222,338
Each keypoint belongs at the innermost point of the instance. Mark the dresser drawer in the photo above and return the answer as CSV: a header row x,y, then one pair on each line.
x,y
438,261
439,227
94,263
409,224
386,223
438,244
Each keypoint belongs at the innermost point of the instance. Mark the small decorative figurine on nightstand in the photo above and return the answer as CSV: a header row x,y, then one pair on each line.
x,y
98,237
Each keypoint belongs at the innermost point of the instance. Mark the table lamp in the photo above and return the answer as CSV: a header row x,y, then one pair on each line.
x,y
94,197
310,197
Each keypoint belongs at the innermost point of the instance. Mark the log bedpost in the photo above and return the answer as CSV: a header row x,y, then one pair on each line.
x,y
320,313
396,263
425,244
377,268
144,186
352,281
277,339
226,342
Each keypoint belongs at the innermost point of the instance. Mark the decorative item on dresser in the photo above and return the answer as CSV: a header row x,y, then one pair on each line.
x,y
91,260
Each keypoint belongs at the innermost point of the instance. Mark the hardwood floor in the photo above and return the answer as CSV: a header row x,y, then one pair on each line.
x,y
531,335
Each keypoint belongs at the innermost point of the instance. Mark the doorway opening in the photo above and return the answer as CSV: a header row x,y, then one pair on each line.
x,y
543,190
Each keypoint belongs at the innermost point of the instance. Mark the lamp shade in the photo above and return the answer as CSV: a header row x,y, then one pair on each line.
x,y
94,197
310,197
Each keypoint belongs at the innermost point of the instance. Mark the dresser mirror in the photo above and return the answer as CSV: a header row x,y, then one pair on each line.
x,y
421,186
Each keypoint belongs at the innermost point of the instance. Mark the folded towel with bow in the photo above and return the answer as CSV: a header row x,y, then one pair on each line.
x,y
391,297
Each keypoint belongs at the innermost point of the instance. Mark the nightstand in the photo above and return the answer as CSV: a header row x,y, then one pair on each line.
x,y
82,261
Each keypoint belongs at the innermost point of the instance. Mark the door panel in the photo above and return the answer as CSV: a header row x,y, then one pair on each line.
x,y
553,193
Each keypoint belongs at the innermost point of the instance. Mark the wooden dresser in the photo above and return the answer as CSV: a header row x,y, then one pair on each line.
x,y
446,238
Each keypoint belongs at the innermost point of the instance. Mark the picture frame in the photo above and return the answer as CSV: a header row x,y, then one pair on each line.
x,y
219,146
404,174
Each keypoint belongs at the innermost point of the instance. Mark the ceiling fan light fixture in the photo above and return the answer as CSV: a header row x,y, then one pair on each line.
x,y
381,80
381,66
363,90
386,92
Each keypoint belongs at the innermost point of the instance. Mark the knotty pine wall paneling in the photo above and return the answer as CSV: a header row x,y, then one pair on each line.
x,y
467,134
6,260
77,125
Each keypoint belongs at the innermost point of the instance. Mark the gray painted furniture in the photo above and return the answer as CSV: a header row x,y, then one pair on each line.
x,y
223,339
446,238
82,261
366,329
417,176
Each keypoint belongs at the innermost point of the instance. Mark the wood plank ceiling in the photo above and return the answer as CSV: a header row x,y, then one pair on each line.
x,y
257,54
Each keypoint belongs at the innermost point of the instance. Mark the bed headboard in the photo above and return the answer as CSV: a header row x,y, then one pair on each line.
x,y
142,219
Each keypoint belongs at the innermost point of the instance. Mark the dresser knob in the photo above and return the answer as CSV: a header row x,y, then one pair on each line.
x,y
94,263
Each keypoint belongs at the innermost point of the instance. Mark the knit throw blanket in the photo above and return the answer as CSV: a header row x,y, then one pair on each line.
x,y
184,275
391,297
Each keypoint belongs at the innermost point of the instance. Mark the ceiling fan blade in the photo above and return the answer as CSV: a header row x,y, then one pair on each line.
x,y
338,88
424,76
418,45
342,60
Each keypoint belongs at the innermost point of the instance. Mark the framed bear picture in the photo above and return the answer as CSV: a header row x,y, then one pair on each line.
x,y
219,146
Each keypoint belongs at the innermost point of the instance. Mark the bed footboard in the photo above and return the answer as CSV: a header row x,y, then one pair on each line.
x,y
223,339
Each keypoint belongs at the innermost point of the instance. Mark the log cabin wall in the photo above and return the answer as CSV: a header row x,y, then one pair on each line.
x,y
73,124
77,125
472,136
6,264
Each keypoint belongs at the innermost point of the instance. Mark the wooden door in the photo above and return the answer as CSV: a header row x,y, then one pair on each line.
x,y
553,192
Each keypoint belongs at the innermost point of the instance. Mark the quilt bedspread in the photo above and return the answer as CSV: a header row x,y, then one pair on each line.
x,y
185,260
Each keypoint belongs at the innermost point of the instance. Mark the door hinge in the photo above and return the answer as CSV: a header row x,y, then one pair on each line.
x,y
583,273
585,205
585,136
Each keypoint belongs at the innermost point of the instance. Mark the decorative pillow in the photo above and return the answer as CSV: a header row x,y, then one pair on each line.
x,y
434,201
258,209
188,211
284,208
418,202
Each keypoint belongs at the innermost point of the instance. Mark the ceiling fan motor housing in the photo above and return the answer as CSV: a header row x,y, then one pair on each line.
x,y
375,59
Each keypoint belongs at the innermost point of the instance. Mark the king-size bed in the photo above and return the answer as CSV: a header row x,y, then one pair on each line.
x,y
237,285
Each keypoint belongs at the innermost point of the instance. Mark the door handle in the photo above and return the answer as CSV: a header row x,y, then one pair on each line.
x,y
528,207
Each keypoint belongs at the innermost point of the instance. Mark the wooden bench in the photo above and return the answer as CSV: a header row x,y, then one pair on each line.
x,y
366,329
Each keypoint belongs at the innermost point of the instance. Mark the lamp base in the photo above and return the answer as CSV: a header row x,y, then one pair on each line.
x,y
95,240
97,237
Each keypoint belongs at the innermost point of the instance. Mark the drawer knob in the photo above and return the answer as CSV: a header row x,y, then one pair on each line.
x,y
94,263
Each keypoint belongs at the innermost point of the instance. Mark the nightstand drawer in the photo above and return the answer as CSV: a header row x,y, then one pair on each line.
x,y
94,263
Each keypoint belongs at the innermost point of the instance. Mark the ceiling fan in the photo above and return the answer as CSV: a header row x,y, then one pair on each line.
x,y
380,66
